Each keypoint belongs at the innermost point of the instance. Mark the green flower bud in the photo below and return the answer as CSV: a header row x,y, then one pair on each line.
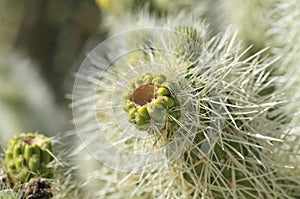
x,y
126,96
139,120
148,78
28,152
8,155
34,163
143,112
23,175
25,156
17,151
151,103
46,157
162,91
132,112
158,80
127,105
10,164
19,162
167,102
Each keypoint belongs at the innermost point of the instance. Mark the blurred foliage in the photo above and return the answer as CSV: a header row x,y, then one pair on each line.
x,y
40,41
53,33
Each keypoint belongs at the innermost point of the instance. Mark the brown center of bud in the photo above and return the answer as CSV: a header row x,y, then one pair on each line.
x,y
143,94
32,140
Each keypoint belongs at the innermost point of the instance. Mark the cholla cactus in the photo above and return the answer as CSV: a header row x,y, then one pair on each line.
x,y
284,22
152,106
28,155
59,173
229,122
66,183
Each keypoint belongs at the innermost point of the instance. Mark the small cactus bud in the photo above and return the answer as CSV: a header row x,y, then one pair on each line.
x,y
26,155
148,78
151,102
167,102
162,91
139,120
158,80
143,112
34,163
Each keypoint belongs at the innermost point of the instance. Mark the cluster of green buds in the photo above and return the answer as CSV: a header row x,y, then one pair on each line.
x,y
149,100
27,156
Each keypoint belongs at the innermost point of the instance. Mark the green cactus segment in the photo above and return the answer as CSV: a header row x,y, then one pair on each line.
x,y
188,48
148,100
227,169
28,155
188,43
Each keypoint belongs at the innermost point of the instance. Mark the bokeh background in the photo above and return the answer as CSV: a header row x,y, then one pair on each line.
x,y
41,44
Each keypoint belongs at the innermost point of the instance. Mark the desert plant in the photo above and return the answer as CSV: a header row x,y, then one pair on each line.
x,y
283,34
36,166
28,155
229,126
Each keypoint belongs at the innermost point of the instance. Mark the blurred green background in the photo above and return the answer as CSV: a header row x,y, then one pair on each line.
x,y
41,42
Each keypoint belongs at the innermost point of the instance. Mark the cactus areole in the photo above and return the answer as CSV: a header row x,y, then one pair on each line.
x,y
149,100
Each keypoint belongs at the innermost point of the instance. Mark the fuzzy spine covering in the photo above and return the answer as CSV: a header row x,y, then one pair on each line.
x,y
229,153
